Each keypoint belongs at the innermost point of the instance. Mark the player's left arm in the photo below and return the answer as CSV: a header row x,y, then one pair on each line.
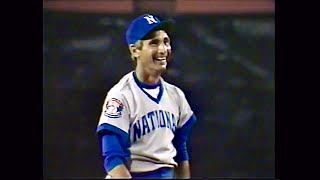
x,y
182,135
182,171
180,141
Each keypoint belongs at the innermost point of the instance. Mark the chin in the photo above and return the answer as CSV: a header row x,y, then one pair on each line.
x,y
164,66
161,69
161,66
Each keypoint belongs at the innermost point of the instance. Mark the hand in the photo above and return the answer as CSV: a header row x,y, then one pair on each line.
x,y
108,177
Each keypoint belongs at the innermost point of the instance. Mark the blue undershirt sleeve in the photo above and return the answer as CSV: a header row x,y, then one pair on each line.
x,y
112,151
180,140
115,145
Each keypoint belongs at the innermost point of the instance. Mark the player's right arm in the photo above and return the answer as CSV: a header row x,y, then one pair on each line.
x,y
119,171
114,154
113,135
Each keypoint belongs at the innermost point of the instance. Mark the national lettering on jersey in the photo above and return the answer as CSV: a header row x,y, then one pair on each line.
x,y
152,121
114,108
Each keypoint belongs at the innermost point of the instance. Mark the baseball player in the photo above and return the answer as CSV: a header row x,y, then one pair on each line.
x,y
145,122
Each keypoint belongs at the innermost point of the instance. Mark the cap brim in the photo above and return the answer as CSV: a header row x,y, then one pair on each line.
x,y
166,25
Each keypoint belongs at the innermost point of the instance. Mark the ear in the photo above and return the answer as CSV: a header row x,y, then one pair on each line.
x,y
135,52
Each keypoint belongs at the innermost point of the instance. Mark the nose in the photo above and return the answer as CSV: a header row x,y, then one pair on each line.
x,y
162,48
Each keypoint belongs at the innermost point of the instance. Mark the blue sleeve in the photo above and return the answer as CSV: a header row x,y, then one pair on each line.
x,y
114,145
112,151
180,140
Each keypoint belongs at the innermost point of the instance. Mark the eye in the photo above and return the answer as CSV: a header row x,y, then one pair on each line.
x,y
154,42
166,41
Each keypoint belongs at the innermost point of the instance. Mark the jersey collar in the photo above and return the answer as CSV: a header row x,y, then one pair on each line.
x,y
141,85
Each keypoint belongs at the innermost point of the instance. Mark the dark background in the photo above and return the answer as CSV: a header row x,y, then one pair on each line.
x,y
223,63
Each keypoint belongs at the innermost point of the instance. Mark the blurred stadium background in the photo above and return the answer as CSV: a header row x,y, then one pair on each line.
x,y
224,60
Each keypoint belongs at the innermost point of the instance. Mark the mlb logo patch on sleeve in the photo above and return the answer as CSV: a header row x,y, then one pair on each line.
x,y
114,108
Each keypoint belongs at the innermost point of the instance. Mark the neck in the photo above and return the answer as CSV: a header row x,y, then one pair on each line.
x,y
148,78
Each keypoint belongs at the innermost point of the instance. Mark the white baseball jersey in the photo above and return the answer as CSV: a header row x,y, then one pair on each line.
x,y
150,122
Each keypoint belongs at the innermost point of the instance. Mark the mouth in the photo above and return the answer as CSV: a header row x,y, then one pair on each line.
x,y
160,59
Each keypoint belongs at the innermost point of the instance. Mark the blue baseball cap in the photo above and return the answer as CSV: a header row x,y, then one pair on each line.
x,y
144,24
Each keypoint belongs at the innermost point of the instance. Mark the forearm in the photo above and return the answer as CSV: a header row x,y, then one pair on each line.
x,y
182,171
120,171
114,156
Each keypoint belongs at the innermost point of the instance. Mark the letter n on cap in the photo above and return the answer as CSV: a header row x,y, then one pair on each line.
x,y
150,19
